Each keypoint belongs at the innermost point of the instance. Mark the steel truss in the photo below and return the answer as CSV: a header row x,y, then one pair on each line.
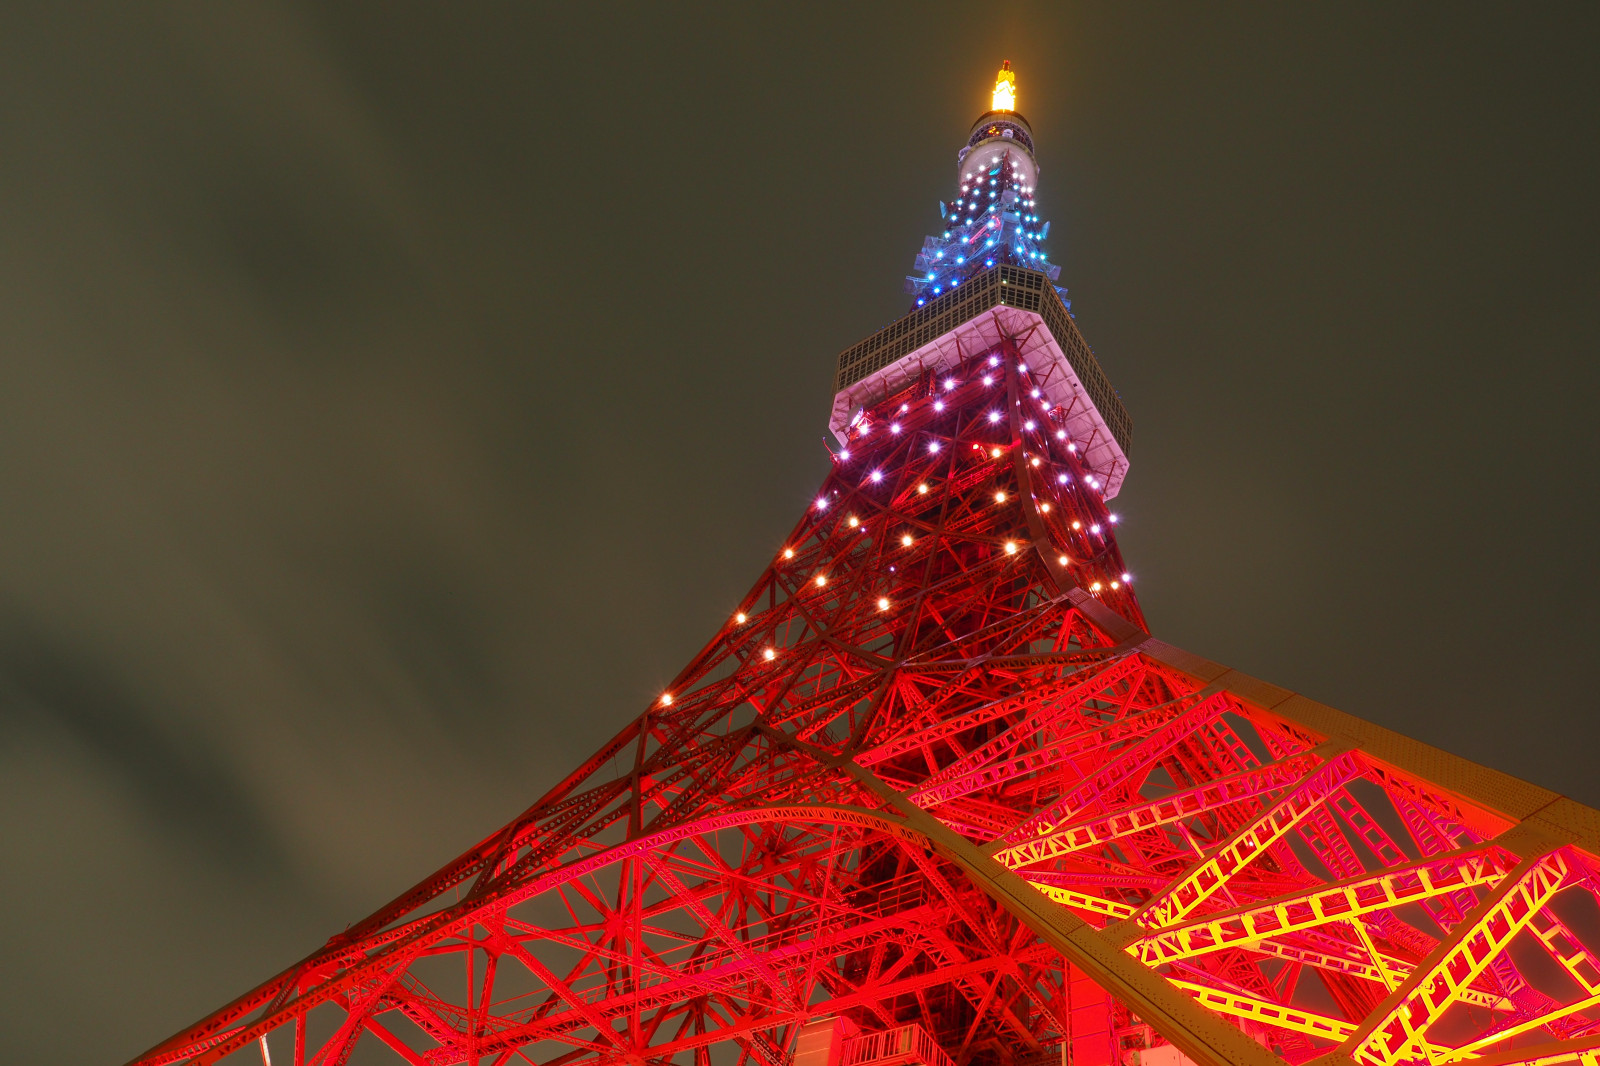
x,y
934,776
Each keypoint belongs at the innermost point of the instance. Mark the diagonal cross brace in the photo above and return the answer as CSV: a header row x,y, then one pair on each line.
x,y
1251,841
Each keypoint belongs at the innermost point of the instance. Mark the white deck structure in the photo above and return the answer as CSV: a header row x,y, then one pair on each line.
x,y
1001,303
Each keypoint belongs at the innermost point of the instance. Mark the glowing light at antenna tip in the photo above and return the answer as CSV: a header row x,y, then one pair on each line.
x,y
1005,88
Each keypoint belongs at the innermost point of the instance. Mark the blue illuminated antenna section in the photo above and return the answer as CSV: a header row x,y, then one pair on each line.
x,y
994,217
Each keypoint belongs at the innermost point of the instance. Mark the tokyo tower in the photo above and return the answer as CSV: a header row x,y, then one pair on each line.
x,y
934,795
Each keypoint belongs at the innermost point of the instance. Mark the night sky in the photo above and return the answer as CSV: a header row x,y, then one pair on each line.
x,y
392,398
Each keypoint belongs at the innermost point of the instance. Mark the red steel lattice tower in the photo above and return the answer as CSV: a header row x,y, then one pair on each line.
x,y
934,794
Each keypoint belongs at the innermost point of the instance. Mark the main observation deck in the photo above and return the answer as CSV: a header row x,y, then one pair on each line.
x,y
1001,302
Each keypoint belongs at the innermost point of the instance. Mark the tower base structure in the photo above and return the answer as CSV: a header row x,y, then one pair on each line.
x,y
934,780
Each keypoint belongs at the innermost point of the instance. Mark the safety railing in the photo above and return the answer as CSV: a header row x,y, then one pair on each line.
x,y
892,1047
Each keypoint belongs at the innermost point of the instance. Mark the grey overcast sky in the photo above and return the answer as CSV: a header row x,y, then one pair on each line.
x,y
393,396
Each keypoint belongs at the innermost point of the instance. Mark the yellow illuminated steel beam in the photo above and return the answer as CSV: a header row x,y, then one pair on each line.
x,y
1472,1050
1251,841
1340,901
1324,960
1102,829
1239,1005
1584,1050
1398,969
1401,1023
1083,901
1280,1015
1568,950
1388,975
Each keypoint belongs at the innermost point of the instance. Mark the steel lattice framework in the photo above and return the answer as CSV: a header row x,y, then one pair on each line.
x,y
935,778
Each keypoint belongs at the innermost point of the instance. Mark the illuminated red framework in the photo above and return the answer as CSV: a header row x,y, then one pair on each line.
x,y
934,779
